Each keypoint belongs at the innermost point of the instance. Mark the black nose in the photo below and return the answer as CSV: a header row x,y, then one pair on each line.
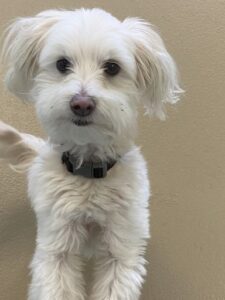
x,y
82,105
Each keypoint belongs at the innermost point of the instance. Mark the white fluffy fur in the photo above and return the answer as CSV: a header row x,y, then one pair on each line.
x,y
79,217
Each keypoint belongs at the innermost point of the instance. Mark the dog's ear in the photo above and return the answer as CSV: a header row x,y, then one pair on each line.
x,y
156,70
22,43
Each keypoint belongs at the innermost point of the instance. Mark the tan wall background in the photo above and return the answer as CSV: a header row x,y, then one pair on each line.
x,y
185,156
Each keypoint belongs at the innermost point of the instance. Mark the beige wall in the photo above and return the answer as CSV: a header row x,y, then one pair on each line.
x,y
185,156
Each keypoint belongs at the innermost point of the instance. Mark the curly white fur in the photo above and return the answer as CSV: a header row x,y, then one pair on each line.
x,y
78,217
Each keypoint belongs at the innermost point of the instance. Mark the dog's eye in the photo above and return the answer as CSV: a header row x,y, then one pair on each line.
x,y
63,65
111,68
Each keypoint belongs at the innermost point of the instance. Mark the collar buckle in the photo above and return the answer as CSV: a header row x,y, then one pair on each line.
x,y
99,170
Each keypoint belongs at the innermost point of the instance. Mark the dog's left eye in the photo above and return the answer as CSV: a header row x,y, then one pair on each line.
x,y
111,68
63,65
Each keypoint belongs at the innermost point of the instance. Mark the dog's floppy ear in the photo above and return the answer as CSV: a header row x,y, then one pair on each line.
x,y
22,43
156,70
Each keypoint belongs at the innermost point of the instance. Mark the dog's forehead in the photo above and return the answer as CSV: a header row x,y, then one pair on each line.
x,y
88,30
92,19
83,24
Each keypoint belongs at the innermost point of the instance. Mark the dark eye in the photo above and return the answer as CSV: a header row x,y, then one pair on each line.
x,y
111,68
63,65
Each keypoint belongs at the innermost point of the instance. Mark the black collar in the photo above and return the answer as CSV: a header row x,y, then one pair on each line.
x,y
87,169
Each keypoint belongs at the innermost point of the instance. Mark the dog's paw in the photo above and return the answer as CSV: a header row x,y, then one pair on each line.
x,y
9,136
14,148
18,149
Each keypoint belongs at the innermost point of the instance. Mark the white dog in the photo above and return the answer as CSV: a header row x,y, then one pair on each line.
x,y
86,71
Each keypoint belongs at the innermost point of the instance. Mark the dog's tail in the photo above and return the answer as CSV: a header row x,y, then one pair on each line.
x,y
18,149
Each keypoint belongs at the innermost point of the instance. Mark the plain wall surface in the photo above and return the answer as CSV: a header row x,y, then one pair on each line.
x,y
185,154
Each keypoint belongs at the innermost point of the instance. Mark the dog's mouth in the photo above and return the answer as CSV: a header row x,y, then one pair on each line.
x,y
81,122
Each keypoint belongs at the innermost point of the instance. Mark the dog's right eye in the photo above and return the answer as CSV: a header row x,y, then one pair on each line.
x,y
63,65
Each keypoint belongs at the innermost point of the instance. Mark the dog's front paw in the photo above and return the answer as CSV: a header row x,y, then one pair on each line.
x,y
14,148
9,136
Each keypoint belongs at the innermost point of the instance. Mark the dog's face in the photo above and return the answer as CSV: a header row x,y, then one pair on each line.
x,y
86,72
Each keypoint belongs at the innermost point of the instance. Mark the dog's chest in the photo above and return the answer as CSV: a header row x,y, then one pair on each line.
x,y
53,188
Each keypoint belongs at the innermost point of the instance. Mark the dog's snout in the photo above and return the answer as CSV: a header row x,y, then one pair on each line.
x,y
82,105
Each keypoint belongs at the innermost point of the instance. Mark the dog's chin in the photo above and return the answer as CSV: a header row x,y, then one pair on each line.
x,y
81,122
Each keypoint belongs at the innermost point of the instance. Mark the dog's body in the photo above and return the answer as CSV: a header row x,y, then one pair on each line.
x,y
79,218
86,88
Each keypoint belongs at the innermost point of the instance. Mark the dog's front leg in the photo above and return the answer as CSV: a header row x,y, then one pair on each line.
x,y
118,279
56,277
57,265
119,274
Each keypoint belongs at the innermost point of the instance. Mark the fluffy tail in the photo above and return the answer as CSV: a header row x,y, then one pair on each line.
x,y
18,149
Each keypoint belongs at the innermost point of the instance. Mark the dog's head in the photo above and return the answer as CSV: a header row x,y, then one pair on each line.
x,y
86,72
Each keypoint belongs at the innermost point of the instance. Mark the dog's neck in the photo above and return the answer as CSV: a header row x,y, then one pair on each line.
x,y
96,152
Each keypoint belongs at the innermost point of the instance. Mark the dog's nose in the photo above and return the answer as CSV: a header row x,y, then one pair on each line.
x,y
82,105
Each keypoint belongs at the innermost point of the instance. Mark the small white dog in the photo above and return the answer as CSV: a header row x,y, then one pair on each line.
x,y
86,71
